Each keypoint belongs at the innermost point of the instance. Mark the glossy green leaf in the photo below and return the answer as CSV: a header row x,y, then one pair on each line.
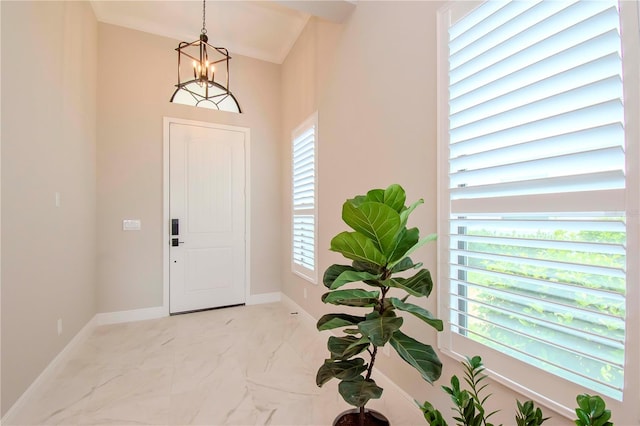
x,y
405,240
418,285
341,347
431,415
334,272
583,402
583,418
417,311
597,407
350,276
378,222
331,321
352,297
356,246
371,268
359,391
394,197
376,195
405,264
379,328
343,370
358,343
422,357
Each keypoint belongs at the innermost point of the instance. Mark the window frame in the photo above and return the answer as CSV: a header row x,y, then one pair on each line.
x,y
298,269
515,374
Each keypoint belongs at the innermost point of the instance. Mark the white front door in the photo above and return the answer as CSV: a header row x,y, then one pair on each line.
x,y
207,214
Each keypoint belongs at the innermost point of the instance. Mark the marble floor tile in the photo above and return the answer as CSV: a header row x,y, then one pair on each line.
x,y
238,366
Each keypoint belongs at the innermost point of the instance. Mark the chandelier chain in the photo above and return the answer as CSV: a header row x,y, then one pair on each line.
x,y
204,29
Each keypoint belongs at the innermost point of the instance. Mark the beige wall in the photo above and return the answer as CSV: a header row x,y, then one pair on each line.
x,y
48,146
133,98
377,125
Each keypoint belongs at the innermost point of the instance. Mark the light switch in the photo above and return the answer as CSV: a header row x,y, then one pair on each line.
x,y
131,225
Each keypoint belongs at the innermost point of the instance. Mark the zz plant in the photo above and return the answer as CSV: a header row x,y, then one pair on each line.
x,y
470,404
379,248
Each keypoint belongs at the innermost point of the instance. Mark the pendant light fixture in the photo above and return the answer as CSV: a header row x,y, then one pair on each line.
x,y
201,67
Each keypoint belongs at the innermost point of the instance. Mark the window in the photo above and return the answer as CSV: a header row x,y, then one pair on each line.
x,y
304,146
538,219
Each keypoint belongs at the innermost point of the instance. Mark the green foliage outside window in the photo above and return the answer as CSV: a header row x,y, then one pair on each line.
x,y
502,290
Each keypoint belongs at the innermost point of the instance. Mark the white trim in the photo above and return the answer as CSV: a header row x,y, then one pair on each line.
x,y
310,275
131,315
443,20
165,201
258,299
49,370
628,411
293,306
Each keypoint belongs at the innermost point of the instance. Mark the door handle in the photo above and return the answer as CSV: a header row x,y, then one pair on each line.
x,y
175,242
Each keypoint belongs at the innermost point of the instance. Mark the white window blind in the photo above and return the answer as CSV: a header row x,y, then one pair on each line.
x,y
304,199
536,201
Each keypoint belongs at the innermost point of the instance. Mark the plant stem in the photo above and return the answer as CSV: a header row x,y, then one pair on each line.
x,y
361,417
381,307
373,359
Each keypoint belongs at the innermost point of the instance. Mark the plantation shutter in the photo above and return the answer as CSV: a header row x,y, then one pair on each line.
x,y
537,247
304,200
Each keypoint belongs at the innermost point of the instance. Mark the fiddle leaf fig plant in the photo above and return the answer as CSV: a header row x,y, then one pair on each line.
x,y
378,247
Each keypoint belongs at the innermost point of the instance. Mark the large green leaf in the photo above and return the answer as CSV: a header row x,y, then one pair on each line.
x,y
394,197
376,195
342,348
404,241
417,311
356,246
351,297
418,285
404,265
331,321
378,222
358,343
334,272
359,265
343,370
349,276
379,328
359,391
422,357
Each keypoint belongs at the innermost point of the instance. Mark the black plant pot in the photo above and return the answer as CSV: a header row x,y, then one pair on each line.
x,y
352,418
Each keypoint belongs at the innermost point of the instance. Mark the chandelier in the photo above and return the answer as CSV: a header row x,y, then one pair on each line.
x,y
201,68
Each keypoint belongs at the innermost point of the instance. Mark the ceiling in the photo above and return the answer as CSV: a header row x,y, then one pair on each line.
x,y
263,30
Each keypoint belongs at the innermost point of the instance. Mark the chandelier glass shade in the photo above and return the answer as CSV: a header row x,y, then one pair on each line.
x,y
203,74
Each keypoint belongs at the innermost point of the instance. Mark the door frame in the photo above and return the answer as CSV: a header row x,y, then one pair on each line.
x,y
166,227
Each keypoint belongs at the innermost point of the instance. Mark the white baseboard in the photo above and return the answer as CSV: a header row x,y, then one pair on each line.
x,y
258,299
132,315
287,301
49,370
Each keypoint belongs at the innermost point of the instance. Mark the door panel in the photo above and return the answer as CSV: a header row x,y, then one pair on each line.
x,y
207,195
